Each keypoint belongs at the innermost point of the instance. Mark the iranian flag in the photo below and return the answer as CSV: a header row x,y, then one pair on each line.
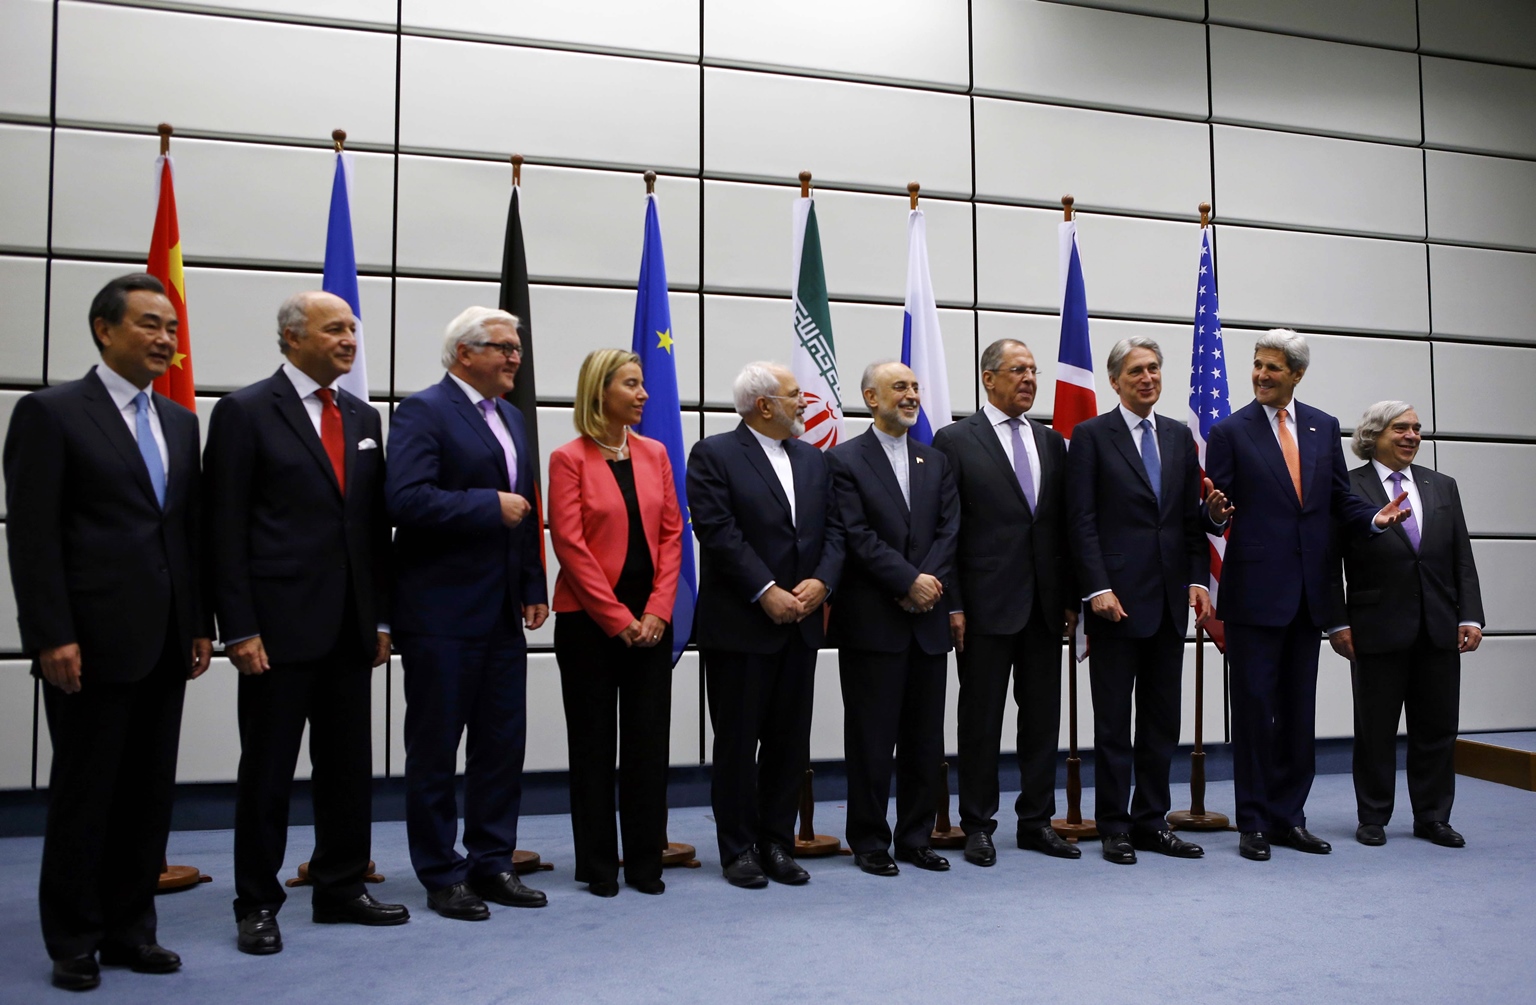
x,y
814,358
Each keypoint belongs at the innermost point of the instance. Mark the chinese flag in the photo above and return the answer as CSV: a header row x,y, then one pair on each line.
x,y
165,265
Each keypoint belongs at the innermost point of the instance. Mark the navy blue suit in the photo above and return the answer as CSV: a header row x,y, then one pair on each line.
x,y
759,674
891,662
1148,549
1275,597
462,579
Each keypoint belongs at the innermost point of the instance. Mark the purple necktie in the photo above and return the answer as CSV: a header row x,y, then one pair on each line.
x,y
1021,464
499,430
1411,524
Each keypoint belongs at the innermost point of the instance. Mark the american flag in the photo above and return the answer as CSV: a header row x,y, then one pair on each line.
x,y
1208,403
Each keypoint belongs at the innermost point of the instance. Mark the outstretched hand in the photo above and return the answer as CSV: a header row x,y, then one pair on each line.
x,y
1395,511
1217,505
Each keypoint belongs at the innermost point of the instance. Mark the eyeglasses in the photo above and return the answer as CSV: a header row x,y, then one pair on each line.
x,y
507,349
797,396
1018,371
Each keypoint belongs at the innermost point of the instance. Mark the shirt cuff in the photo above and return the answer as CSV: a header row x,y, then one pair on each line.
x,y
383,630
1097,593
1330,632
236,642
759,594
1469,624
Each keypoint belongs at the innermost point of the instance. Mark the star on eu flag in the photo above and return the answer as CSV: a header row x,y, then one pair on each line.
x,y
664,341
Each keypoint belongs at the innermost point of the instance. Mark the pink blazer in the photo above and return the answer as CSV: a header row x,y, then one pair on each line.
x,y
590,529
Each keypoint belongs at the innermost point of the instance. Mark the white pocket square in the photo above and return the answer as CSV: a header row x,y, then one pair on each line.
x,y
367,443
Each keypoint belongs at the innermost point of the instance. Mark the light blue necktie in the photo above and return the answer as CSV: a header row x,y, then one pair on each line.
x,y
1150,459
148,448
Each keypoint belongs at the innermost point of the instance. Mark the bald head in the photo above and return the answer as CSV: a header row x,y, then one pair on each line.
x,y
892,395
318,333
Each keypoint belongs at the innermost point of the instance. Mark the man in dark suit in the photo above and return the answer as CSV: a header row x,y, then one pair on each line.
x,y
772,549
1142,561
1012,600
299,543
1413,607
900,513
469,578
103,499
1279,463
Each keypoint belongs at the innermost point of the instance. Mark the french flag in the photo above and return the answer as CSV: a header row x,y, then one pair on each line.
x,y
1075,398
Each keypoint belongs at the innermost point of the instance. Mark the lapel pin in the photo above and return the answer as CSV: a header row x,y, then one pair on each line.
x,y
1311,429
919,460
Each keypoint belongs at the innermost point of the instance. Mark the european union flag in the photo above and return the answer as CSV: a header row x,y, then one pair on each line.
x,y
663,417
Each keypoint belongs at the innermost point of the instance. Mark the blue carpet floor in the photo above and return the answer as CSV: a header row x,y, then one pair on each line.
x,y
1408,922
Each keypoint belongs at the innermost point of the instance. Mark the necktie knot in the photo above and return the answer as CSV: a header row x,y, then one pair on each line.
x,y
487,406
1283,416
327,397
141,402
1397,481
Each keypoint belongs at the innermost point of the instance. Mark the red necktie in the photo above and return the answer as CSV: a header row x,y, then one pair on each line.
x,y
331,435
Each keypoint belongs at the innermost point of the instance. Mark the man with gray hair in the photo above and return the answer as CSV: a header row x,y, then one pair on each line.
x,y
300,579
1278,461
1408,606
771,549
470,579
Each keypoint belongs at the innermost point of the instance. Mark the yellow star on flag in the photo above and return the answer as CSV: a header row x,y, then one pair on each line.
x,y
177,358
665,341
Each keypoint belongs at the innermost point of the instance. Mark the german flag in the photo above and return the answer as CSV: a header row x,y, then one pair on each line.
x,y
165,265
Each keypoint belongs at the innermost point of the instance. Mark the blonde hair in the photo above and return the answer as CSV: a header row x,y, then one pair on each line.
x,y
596,371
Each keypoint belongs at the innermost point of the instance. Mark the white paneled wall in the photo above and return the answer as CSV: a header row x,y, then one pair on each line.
x,y
1372,164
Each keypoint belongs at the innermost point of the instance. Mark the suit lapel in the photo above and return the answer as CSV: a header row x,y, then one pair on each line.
x,y
1370,488
1047,467
104,412
1263,437
351,433
1311,448
1125,442
873,452
471,414
986,438
292,410
917,486
1171,456
759,461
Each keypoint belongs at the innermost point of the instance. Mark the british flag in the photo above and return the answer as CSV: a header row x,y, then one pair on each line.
x,y
1208,403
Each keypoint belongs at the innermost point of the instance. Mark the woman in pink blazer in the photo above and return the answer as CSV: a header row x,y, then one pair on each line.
x,y
617,532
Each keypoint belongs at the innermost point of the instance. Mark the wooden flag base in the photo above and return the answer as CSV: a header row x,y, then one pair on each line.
x,y
675,854
1197,818
180,877
1073,827
302,879
945,834
809,844
524,862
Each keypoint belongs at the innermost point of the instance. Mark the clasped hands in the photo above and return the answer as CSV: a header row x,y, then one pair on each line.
x,y
644,632
920,597
785,607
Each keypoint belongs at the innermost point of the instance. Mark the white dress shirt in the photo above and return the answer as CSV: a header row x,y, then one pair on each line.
x,y
306,386
999,422
122,393
895,448
1133,423
778,457
475,397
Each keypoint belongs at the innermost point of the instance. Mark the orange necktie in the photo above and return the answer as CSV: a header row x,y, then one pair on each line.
x,y
1292,455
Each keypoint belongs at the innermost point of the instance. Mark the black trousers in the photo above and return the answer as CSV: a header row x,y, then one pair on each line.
x,y
760,707
618,706
1033,655
1152,668
1427,680
109,805
892,700
333,695
1274,720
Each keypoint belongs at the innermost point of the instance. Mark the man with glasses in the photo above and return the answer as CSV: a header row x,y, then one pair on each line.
x,y
1012,600
771,549
470,579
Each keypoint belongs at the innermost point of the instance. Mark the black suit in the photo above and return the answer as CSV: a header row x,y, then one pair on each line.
x,y
1148,548
96,561
759,674
1403,608
1013,583
892,663
303,566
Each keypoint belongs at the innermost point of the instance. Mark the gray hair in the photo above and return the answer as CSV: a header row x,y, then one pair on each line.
x,y
1116,361
1294,345
293,316
756,380
1376,419
470,326
992,355
868,380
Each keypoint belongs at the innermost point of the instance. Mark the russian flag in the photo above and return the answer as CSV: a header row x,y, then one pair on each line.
x,y
1075,398
922,345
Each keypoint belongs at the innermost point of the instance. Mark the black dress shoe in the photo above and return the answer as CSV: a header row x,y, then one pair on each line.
x,y
459,902
654,887
147,958
259,934
1165,843
78,973
360,910
979,849
1301,839
1440,833
924,858
507,889
603,888
1117,849
876,863
1047,840
1252,845
779,867
743,871
1373,835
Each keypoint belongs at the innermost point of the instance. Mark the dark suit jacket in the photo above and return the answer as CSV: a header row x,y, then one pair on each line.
x,y
1392,589
741,516
887,545
285,546
1281,550
1007,558
457,567
94,559
1123,539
